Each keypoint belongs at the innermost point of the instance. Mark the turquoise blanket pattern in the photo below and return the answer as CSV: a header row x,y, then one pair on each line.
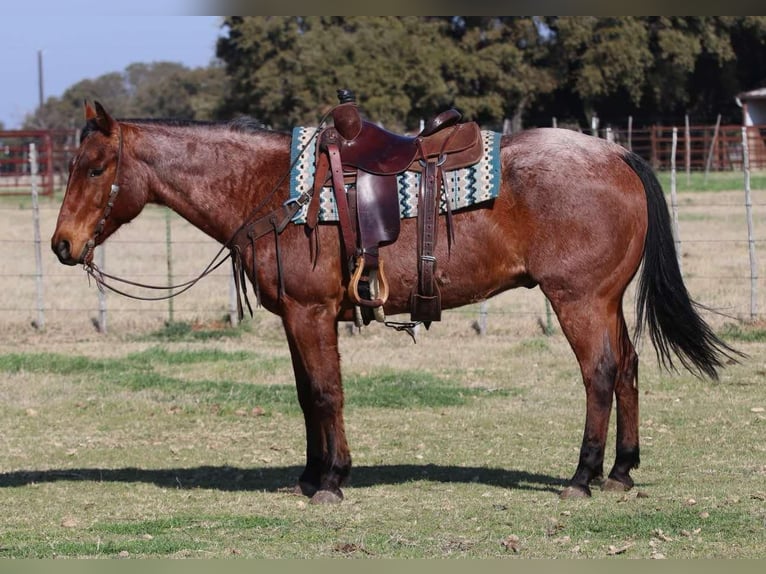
x,y
465,187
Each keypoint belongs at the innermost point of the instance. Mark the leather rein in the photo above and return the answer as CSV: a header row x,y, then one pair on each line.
x,y
274,221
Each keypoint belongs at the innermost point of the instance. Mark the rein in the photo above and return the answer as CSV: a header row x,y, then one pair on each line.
x,y
275,222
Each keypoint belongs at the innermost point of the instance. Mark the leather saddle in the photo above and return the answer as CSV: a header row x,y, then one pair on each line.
x,y
363,160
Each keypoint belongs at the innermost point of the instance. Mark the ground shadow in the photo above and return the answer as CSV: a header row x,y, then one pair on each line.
x,y
275,478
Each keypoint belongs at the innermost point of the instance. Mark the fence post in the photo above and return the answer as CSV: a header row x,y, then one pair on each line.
x,y
233,314
34,170
688,150
100,255
630,133
712,147
482,325
674,198
548,318
169,251
750,237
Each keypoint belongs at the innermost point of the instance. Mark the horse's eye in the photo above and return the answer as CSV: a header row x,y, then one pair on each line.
x,y
95,172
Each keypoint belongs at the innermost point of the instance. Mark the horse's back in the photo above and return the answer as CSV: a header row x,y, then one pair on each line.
x,y
565,163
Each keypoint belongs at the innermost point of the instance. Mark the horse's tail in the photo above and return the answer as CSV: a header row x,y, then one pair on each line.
x,y
662,301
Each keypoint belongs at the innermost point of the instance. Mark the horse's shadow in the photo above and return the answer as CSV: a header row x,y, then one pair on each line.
x,y
272,479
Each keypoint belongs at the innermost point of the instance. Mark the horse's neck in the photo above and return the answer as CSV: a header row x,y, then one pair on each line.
x,y
214,178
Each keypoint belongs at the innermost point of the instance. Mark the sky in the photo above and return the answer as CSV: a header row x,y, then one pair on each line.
x,y
84,39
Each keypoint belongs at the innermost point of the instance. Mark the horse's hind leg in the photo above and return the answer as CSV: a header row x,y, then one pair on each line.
x,y
313,338
595,337
626,391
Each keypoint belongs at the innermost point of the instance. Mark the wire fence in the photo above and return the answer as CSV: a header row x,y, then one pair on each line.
x,y
718,237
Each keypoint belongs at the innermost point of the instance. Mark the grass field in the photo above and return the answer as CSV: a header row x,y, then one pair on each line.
x,y
185,440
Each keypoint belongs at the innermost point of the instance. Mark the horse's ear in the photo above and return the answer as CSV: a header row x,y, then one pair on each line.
x,y
99,118
90,113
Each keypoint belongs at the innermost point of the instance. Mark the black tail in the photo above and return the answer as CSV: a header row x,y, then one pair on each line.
x,y
662,301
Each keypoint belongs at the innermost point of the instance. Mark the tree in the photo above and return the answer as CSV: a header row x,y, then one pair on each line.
x,y
655,68
66,112
600,57
157,90
497,67
285,70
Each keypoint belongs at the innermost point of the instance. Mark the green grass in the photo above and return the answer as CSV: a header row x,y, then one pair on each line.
x,y
160,537
178,523
161,371
743,332
184,331
715,181
458,449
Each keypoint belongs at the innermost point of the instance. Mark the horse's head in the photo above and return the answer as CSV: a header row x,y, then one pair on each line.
x,y
99,196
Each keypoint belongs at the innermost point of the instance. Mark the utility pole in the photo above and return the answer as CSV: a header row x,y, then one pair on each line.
x,y
40,76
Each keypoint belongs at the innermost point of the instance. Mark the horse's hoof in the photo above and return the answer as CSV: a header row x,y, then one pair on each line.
x,y
326,497
612,485
306,489
574,492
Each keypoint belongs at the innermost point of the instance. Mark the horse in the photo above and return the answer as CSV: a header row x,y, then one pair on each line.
x,y
576,215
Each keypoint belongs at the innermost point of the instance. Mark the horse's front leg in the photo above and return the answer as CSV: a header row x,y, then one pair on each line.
x,y
312,333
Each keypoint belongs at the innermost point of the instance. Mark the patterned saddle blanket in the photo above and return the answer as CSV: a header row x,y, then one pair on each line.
x,y
464,187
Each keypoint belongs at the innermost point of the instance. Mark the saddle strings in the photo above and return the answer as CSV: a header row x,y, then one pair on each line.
x,y
100,276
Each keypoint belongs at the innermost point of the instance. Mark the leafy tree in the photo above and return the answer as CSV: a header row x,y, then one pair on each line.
x,y
66,112
599,57
159,89
285,70
498,67
656,68
170,90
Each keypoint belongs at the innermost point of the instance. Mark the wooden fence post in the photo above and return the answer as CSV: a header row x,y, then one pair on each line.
x,y
712,147
750,234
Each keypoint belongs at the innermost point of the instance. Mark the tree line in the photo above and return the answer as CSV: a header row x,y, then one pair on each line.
x,y
284,71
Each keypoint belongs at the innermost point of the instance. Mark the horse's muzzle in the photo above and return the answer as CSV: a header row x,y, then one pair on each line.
x,y
63,251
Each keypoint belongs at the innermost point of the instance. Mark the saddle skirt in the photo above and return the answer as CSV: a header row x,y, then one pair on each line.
x,y
464,187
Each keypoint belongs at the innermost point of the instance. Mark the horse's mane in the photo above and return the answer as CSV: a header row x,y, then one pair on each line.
x,y
244,124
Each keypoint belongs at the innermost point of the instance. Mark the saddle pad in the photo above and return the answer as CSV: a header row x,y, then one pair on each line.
x,y
465,187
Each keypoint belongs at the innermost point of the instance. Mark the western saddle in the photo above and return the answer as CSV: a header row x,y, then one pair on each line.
x,y
362,161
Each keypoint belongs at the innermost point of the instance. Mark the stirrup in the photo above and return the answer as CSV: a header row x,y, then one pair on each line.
x,y
378,285
364,315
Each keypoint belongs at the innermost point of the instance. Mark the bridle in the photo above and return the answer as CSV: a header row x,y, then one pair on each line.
x,y
100,276
113,191
274,221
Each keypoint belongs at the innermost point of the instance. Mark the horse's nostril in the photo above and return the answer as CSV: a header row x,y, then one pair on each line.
x,y
64,251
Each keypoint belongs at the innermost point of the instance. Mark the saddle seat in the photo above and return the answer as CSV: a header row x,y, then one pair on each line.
x,y
363,160
373,149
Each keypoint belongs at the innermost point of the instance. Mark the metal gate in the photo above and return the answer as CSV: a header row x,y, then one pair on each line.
x,y
54,148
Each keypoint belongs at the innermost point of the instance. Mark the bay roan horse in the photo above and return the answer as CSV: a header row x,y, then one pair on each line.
x,y
576,215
